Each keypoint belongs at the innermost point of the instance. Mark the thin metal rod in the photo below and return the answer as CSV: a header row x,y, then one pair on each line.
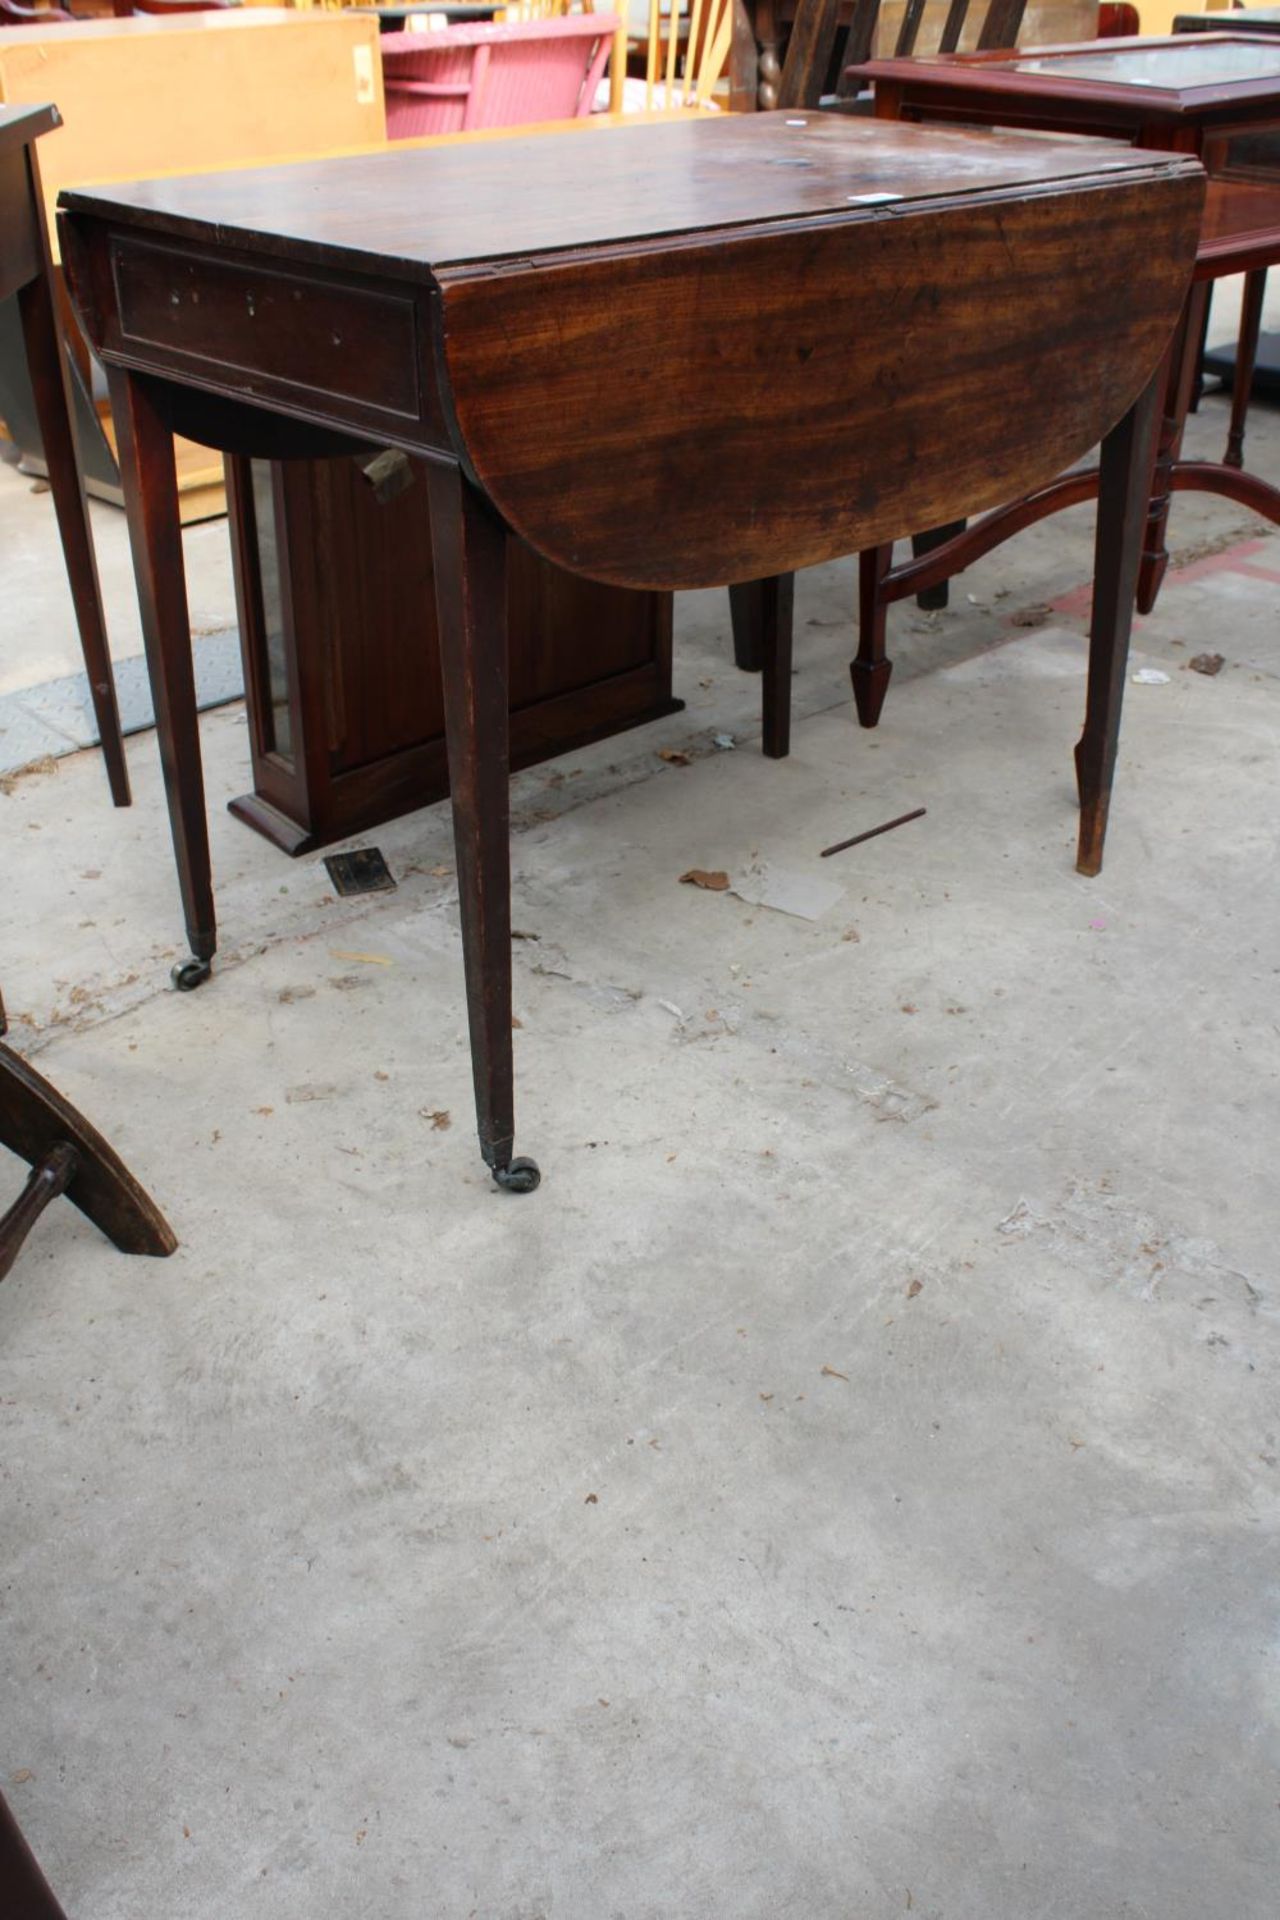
x,y
871,833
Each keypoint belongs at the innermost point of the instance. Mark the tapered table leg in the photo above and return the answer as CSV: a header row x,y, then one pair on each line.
x,y
869,671
469,551
1182,367
1123,491
778,597
47,367
745,614
27,1894
150,484
1255,290
934,599
763,621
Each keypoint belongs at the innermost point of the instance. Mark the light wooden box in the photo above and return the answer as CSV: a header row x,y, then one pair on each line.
x,y
149,95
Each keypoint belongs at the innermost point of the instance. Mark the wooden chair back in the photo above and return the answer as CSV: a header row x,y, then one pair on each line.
x,y
817,22
686,54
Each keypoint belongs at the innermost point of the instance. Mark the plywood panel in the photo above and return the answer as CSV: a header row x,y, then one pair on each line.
x,y
146,95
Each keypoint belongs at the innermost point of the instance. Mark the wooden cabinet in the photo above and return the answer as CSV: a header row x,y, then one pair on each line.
x,y
336,599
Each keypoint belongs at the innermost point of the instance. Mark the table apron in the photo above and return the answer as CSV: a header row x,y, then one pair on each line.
x,y
1145,125
335,351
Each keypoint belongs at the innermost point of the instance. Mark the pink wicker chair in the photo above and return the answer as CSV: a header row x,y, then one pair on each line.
x,y
494,75
13,15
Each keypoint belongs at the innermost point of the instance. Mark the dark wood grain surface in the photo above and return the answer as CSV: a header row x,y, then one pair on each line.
x,y
702,365
1239,215
836,435
507,201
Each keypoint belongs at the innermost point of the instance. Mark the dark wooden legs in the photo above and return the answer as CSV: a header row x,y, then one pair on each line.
x,y
46,364
934,599
27,1894
763,615
1123,491
746,608
777,619
1197,385
1182,367
69,1156
155,535
48,1178
1255,288
469,549
869,670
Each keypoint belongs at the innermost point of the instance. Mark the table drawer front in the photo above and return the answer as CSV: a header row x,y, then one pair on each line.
x,y
323,346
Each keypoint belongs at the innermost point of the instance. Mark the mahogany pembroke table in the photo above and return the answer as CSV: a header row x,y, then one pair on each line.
x,y
739,345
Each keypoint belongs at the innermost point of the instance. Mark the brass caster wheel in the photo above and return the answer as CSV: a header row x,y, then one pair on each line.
x,y
188,974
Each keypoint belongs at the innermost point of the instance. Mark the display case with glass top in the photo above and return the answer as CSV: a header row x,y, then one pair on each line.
x,y
1178,93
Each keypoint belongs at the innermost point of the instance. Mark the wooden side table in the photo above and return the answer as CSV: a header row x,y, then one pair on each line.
x,y
1173,94
822,317
26,271
1231,363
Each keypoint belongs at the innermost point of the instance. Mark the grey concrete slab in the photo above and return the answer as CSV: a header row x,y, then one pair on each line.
x,y
57,716
38,640
849,1486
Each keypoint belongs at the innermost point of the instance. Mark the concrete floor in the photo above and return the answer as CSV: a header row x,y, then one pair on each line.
x,y
849,1487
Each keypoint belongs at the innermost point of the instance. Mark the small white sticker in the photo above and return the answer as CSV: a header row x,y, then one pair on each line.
x,y
797,123
362,61
872,199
